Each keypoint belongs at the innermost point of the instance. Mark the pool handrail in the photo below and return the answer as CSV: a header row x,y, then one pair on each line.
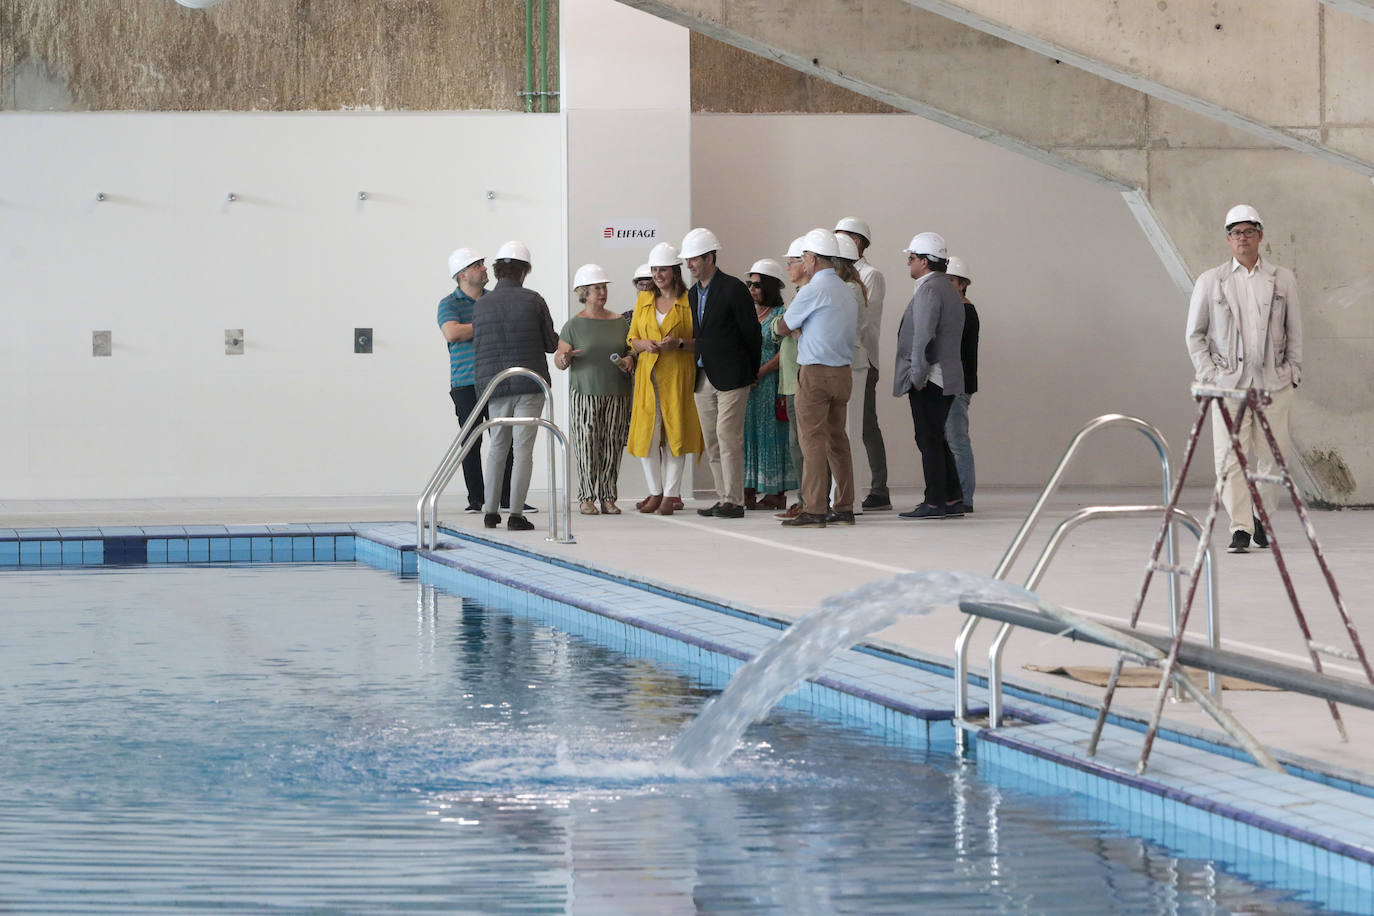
x,y
468,435
961,642
1091,513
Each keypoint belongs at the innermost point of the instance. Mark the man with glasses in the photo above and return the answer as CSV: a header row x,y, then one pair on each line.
x,y
930,371
1245,331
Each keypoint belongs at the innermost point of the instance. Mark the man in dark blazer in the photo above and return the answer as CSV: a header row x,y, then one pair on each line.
x,y
728,343
930,371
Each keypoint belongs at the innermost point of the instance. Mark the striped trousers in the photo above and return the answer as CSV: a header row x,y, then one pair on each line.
x,y
600,428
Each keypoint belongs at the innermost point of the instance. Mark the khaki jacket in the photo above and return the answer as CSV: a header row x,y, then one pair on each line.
x,y
1214,337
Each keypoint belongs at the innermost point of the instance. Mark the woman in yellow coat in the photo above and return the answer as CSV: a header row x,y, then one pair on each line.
x,y
664,428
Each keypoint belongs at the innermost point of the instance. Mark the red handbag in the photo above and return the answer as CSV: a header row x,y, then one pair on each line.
x,y
780,408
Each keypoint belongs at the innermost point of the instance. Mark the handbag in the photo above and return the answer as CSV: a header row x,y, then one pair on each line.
x,y
780,408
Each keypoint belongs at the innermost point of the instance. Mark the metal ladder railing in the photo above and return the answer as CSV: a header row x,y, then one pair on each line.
x,y
1018,542
469,435
1091,513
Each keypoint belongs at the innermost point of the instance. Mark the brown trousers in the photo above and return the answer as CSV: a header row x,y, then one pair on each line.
x,y
822,401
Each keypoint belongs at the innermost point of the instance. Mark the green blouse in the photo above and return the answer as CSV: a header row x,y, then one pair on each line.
x,y
592,370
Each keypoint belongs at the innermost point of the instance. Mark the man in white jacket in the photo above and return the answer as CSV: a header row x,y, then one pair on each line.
x,y
1245,331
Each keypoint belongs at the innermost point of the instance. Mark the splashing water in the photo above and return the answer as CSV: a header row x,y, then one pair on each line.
x,y
805,647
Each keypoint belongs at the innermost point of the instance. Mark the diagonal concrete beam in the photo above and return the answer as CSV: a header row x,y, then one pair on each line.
x,y
1277,69
1364,9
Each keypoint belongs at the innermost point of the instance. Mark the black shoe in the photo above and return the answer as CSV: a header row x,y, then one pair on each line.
x,y
707,513
1261,539
924,510
805,520
876,502
473,508
728,510
954,510
839,518
966,508
528,510
1240,542
491,520
519,523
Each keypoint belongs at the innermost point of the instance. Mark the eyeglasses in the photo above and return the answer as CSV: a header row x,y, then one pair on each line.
x,y
754,284
1247,233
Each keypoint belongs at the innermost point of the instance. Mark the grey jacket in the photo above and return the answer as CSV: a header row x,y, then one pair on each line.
x,y
1214,339
931,331
511,326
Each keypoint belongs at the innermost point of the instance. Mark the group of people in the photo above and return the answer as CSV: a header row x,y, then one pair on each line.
x,y
770,395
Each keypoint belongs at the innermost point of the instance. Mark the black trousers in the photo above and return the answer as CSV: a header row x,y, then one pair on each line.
x,y
929,410
464,399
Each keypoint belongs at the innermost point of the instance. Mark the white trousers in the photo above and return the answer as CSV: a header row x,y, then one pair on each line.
x,y
1235,496
661,459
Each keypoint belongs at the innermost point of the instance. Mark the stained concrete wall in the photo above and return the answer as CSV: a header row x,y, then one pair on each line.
x,y
266,55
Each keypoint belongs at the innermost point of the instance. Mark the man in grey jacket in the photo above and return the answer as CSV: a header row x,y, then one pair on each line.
x,y
511,326
929,371
1245,331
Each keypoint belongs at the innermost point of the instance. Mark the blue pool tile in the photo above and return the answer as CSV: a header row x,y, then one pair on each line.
x,y
292,528
157,550
164,531
77,533
50,553
219,550
240,550
38,534
262,550
176,550
281,549
124,549
7,534
303,549
205,530
9,553
93,552
71,553
198,550
333,528
344,548
324,549
246,529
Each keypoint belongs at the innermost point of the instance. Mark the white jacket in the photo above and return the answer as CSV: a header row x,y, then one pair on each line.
x,y
1214,338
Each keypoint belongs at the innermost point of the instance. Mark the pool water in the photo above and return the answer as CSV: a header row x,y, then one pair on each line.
x,y
307,739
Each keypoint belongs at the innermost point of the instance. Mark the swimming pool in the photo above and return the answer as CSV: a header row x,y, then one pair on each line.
x,y
301,738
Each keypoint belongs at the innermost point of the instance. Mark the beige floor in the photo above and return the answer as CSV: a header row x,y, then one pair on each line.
x,y
785,572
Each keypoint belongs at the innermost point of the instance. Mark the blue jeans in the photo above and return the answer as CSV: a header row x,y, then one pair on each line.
x,y
956,432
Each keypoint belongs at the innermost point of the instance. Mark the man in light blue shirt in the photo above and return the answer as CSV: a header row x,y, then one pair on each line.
x,y
827,315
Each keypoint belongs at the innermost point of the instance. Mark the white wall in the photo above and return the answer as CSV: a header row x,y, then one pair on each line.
x,y
297,262
1079,318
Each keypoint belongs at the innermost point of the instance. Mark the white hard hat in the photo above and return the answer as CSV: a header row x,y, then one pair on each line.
x,y
855,225
663,255
795,249
958,268
769,267
849,249
644,272
699,241
462,258
931,244
588,274
821,242
1243,213
513,251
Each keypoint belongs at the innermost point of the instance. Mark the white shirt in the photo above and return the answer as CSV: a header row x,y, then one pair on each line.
x,y
871,318
1252,334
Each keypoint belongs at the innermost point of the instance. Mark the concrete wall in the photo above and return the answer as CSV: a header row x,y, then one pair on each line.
x,y
297,262
1079,317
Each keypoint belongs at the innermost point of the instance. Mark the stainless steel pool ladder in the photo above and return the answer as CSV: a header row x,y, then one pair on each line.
x,y
961,643
469,435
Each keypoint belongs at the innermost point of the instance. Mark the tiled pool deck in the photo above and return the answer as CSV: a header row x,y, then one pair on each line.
x,y
1192,797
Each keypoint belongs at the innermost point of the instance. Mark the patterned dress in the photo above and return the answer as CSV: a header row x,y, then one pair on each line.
x,y
767,462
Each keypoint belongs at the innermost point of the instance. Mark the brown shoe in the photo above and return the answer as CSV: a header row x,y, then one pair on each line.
x,y
665,507
678,504
792,511
608,507
649,504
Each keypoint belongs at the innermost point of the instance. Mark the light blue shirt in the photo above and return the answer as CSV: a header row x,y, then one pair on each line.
x,y
701,306
828,317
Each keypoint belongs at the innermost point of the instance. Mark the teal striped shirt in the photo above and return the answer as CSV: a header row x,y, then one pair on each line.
x,y
457,306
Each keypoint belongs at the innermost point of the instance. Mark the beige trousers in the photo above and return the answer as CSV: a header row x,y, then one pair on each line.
x,y
722,426
1235,496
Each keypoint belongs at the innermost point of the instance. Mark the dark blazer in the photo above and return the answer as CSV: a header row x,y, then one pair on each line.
x,y
728,337
968,349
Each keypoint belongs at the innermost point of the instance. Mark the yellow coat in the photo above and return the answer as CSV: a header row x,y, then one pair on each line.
x,y
675,371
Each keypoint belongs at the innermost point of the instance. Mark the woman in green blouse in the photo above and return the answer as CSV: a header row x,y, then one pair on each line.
x,y
601,391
